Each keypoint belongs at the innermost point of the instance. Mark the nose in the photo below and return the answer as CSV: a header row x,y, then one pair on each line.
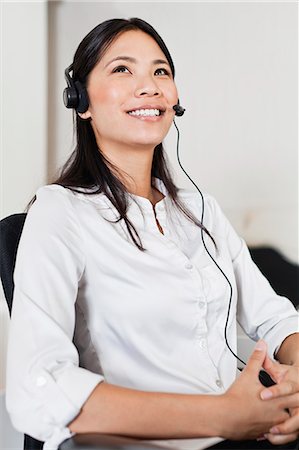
x,y
147,87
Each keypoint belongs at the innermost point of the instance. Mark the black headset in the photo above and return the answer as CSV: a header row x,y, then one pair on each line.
x,y
179,110
75,95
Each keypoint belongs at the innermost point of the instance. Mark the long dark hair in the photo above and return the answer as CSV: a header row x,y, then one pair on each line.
x,y
87,166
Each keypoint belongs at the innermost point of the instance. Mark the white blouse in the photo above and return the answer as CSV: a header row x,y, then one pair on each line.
x,y
90,306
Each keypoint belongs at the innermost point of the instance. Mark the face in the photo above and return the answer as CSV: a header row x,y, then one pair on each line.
x,y
132,75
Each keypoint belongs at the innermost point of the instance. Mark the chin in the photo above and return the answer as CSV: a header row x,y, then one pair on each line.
x,y
150,144
152,141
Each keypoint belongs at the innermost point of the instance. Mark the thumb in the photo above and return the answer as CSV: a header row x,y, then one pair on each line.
x,y
256,360
276,370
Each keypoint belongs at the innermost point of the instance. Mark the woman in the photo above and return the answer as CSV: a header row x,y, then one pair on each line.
x,y
118,316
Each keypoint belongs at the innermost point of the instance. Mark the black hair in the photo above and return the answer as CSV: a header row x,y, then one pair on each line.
x,y
87,166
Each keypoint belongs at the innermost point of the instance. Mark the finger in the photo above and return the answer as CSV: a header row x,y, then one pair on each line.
x,y
291,403
256,359
288,427
287,387
274,369
279,439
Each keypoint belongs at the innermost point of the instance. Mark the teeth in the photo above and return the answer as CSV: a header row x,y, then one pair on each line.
x,y
145,112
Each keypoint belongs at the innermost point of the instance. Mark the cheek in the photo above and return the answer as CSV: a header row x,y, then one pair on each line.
x,y
172,95
175,95
104,96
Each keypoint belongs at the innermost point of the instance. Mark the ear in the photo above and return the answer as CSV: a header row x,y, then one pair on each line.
x,y
86,115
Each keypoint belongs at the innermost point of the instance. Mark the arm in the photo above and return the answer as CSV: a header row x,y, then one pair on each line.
x,y
43,372
288,352
260,311
115,410
238,414
264,314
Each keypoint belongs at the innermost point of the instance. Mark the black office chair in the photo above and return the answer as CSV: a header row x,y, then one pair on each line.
x,y
282,274
10,232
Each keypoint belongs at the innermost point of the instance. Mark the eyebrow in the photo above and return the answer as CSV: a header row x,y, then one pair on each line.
x,y
133,60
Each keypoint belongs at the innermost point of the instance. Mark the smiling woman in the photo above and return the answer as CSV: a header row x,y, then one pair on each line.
x,y
131,106
118,311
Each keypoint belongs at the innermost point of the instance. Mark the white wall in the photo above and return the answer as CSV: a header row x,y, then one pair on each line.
x,y
24,105
23,154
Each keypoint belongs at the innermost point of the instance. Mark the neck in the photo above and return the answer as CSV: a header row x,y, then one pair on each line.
x,y
134,167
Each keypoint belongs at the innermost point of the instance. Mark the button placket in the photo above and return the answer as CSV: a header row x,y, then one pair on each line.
x,y
201,330
198,295
201,305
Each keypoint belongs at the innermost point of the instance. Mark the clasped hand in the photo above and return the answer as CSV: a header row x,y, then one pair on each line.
x,y
257,412
287,379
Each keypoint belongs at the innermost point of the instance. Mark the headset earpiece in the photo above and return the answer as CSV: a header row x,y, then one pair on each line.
x,y
70,97
75,95
83,101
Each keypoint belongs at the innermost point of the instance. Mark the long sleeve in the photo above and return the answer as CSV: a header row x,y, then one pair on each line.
x,y
260,311
46,388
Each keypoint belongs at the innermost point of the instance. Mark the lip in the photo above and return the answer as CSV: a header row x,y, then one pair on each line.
x,y
160,107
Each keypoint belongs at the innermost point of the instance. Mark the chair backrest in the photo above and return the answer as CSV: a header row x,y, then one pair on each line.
x,y
10,232
282,274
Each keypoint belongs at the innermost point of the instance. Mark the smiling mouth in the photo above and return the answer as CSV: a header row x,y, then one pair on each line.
x,y
146,112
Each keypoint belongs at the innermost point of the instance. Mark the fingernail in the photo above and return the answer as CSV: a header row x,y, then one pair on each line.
x,y
260,346
274,430
266,394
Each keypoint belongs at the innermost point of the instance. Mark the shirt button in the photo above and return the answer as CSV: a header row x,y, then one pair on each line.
x,y
219,383
202,343
188,266
201,305
40,381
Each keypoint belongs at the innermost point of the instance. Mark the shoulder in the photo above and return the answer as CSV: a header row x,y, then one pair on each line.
x,y
214,219
55,196
59,194
197,201
64,205
205,206
52,229
54,206
54,193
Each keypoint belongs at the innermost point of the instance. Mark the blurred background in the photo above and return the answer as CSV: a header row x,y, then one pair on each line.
x,y
237,76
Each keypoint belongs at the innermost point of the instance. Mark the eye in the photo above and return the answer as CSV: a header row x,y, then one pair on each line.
x,y
120,69
164,71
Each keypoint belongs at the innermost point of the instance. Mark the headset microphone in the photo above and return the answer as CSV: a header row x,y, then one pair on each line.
x,y
179,110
